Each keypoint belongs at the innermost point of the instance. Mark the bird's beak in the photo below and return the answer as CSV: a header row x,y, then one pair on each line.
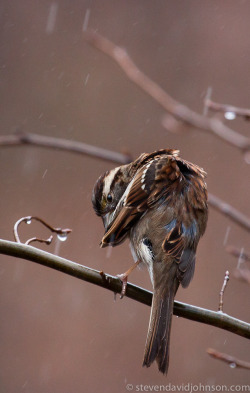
x,y
103,244
106,221
107,224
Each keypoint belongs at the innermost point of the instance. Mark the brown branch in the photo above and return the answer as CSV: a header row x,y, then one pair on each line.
x,y
113,284
229,211
61,233
172,106
216,107
238,253
226,279
232,361
82,148
36,239
21,138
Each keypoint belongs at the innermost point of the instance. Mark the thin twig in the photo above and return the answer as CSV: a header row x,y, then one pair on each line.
x,y
59,231
172,106
238,253
226,279
112,283
216,107
36,239
231,360
21,138
229,211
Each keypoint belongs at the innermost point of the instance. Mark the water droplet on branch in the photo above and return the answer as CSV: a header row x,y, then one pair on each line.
x,y
230,115
62,236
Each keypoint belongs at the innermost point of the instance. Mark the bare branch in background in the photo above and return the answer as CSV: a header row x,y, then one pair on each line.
x,y
178,110
226,279
229,211
232,361
114,284
82,148
230,111
173,125
61,233
21,138
238,253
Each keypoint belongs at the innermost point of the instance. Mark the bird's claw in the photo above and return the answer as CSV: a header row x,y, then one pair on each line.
x,y
124,279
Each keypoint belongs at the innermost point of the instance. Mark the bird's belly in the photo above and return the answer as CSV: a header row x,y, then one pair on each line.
x,y
141,253
146,238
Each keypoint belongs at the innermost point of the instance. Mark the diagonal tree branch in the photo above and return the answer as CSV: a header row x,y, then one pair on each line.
x,y
83,148
178,110
112,283
229,211
231,360
238,253
22,138
217,107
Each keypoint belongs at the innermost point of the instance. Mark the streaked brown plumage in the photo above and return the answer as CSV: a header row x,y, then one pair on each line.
x,y
159,201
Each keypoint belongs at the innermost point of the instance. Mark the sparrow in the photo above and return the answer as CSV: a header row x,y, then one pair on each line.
x,y
158,202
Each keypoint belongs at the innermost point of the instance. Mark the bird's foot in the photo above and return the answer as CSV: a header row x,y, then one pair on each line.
x,y
124,278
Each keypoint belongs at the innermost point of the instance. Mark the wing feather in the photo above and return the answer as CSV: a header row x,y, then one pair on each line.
x,y
160,176
151,182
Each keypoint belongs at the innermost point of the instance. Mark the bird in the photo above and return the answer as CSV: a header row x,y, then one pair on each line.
x,y
158,202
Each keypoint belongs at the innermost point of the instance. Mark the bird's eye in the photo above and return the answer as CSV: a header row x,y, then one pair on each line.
x,y
109,198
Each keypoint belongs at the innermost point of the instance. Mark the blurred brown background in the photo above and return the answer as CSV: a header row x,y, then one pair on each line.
x,y
60,334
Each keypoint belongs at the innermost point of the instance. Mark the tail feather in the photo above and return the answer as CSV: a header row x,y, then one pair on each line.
x,y
158,337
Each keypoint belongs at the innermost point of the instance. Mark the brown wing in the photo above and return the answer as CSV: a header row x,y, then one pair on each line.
x,y
181,240
153,180
179,246
162,175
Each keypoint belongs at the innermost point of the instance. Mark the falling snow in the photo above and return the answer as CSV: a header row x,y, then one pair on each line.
x,y
51,21
86,20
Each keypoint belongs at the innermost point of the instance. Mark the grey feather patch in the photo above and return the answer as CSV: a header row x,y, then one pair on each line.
x,y
186,267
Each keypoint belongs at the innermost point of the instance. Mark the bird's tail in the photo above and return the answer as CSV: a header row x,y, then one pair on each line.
x,y
158,337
